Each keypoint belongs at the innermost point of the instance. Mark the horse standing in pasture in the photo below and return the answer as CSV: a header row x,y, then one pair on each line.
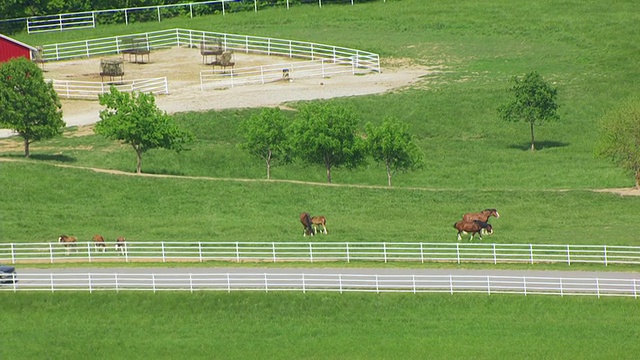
x,y
319,222
68,242
98,242
305,220
472,227
121,246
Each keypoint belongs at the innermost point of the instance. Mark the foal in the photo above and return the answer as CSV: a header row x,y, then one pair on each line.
x,y
121,247
319,221
474,227
68,242
98,241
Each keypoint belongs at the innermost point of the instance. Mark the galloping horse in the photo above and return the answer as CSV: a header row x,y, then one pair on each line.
x,y
472,227
305,220
120,245
319,221
483,215
99,244
68,242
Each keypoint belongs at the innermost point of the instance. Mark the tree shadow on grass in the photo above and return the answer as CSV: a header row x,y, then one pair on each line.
x,y
56,157
540,145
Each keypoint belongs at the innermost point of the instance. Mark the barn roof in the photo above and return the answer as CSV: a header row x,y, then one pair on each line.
x,y
18,42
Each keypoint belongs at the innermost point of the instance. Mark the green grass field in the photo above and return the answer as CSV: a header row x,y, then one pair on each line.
x,y
589,50
248,325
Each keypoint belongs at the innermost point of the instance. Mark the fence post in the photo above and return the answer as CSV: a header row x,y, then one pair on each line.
x,y
310,252
164,259
495,259
115,278
340,280
384,250
191,282
421,254
51,282
458,251
153,282
13,253
237,252
266,283
451,283
524,285
228,283
90,285
200,250
50,253
568,256
531,251
348,257
273,250
89,251
598,287
158,13
605,255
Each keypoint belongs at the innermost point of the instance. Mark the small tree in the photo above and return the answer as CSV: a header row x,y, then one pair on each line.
x,y
326,134
391,144
135,119
620,138
534,102
28,104
265,137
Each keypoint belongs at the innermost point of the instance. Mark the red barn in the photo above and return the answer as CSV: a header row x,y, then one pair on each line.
x,y
11,48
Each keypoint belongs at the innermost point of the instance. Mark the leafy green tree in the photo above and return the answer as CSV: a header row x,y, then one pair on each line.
x,y
534,102
326,134
134,119
266,137
28,104
391,144
620,137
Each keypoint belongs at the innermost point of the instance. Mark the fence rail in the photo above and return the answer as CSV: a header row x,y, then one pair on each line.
x,y
362,60
90,90
162,251
525,285
276,72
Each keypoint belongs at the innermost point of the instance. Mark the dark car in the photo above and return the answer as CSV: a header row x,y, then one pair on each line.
x,y
8,274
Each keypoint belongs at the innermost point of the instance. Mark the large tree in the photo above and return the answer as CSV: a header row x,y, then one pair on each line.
x,y
28,104
134,119
393,145
534,102
265,136
326,134
620,137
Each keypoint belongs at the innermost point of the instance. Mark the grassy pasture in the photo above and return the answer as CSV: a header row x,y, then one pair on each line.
x,y
474,160
315,326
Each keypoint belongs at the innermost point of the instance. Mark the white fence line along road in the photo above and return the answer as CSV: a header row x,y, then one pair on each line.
x,y
207,280
163,251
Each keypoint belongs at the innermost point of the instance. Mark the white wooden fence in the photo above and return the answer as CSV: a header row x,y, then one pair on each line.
x,y
361,60
87,19
163,251
525,285
90,89
210,79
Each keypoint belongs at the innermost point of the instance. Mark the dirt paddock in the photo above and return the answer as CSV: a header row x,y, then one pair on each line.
x,y
181,66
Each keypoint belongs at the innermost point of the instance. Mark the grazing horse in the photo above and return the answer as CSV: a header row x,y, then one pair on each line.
x,y
68,242
98,242
472,227
120,245
319,221
305,220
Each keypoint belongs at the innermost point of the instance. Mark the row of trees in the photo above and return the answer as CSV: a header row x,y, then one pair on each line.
x,y
321,133
327,134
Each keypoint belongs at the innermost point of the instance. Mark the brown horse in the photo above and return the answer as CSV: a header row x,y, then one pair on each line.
x,y
68,242
319,221
305,220
472,227
98,242
120,245
483,215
